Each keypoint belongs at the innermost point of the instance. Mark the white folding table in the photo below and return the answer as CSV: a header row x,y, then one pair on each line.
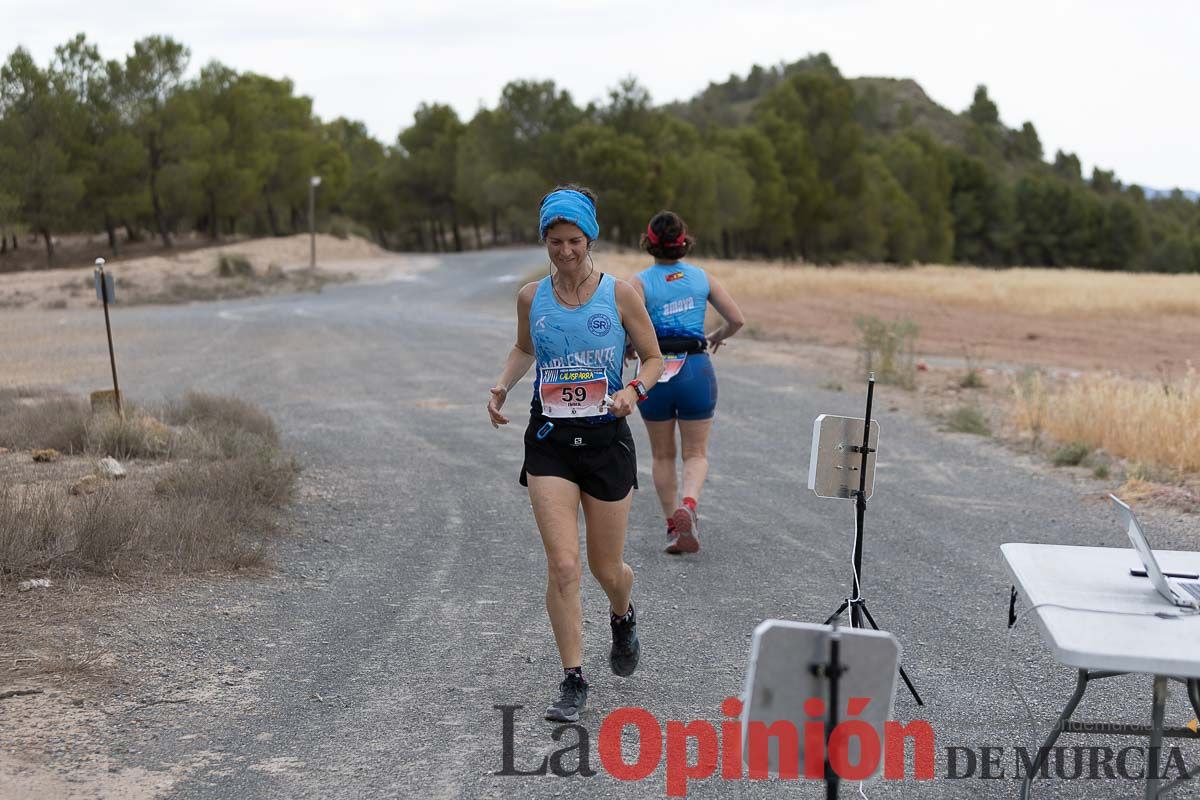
x,y
1102,645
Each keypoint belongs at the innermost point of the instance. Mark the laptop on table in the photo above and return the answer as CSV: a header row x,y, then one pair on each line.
x,y
1185,594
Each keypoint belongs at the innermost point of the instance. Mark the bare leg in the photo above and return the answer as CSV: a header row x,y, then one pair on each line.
x,y
694,434
662,454
606,525
556,509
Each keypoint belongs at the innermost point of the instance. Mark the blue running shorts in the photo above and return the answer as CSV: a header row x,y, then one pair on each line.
x,y
690,395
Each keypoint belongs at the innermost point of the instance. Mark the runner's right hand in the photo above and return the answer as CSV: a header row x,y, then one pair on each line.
x,y
499,395
623,402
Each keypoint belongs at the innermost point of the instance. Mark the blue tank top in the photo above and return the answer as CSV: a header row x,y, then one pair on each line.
x,y
676,297
589,336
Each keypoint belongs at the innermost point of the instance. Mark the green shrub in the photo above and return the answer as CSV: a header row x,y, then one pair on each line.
x,y
233,265
973,377
889,349
968,419
1070,455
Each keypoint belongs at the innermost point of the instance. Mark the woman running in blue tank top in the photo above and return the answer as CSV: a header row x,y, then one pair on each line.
x,y
677,294
578,447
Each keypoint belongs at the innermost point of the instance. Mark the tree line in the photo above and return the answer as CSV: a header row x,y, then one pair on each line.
x,y
816,169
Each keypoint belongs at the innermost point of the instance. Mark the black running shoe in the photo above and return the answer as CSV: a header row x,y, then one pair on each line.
x,y
623,658
572,697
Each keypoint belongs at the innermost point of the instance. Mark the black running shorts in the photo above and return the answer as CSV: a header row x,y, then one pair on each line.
x,y
605,473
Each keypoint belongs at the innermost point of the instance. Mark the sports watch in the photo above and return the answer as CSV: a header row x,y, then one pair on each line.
x,y
642,394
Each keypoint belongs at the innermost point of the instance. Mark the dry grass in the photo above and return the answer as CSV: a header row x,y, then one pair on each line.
x,y
1138,490
109,527
265,477
29,420
197,426
1149,422
81,659
217,494
216,413
32,532
1042,292
137,435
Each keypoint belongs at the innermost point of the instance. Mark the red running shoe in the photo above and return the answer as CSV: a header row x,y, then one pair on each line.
x,y
687,532
671,536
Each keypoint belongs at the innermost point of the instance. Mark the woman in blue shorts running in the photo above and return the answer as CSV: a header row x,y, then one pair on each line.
x,y
677,295
579,450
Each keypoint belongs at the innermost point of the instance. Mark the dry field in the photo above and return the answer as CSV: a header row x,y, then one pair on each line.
x,y
1138,325
279,265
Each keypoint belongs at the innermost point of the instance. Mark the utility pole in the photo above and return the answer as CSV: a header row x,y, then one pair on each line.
x,y
313,183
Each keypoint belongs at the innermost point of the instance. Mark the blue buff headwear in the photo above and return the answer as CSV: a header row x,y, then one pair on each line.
x,y
571,206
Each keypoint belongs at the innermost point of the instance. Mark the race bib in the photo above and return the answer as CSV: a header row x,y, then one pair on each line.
x,y
573,392
672,363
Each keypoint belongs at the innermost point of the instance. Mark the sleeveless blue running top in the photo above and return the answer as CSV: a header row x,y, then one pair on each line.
x,y
676,297
589,336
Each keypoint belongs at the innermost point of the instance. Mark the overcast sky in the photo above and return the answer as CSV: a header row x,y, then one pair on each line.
x,y
1115,81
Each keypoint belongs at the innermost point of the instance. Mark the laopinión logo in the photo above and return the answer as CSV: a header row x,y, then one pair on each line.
x,y
671,741
1067,763
720,751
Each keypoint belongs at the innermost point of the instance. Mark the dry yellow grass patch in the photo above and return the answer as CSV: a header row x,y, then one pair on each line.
x,y
1046,292
1149,422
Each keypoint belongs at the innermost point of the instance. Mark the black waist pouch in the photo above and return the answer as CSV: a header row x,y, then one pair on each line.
x,y
681,344
571,434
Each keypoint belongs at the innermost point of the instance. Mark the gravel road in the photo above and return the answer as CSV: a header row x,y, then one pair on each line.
x,y
408,603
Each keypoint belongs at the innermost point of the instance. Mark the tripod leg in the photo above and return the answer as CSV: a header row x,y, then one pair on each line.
x,y
867,611
911,689
904,675
838,613
856,614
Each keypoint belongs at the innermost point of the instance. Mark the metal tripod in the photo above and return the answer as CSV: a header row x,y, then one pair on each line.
x,y
856,604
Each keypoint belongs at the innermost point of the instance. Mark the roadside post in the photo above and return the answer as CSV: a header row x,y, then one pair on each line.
x,y
106,293
313,183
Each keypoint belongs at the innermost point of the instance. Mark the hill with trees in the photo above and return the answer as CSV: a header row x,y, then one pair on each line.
x,y
792,161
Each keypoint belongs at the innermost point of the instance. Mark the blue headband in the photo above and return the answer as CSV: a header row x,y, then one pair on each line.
x,y
572,206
